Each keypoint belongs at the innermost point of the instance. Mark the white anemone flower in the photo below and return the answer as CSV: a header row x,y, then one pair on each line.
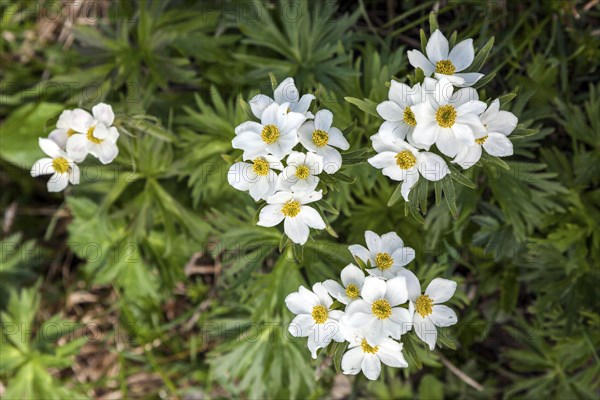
x,y
378,314
361,356
400,161
352,283
257,177
446,63
276,134
498,124
321,137
301,172
397,112
95,134
313,318
291,207
427,311
450,120
386,254
58,163
286,92
64,128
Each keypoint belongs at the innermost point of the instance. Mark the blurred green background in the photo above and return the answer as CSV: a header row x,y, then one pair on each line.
x,y
150,279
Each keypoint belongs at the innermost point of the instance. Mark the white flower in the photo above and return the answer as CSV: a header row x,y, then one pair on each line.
x,y
378,315
361,356
292,207
498,124
286,92
402,162
64,129
426,310
322,138
276,134
352,281
314,319
397,113
444,63
301,171
446,119
386,254
59,164
95,134
257,177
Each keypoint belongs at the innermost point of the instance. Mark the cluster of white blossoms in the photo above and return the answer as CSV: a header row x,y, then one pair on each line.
x,y
77,134
284,154
443,111
378,308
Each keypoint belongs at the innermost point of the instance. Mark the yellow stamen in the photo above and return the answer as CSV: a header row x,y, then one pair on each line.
x,y
383,261
302,172
320,138
270,134
409,117
381,309
424,305
481,140
70,132
446,116
291,208
60,165
352,291
367,348
405,159
445,67
319,314
260,167
91,137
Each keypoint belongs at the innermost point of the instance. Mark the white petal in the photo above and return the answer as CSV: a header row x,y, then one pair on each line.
x,y
403,256
270,115
43,166
239,176
323,120
334,288
104,114
503,122
383,160
394,131
286,92
402,318
58,182
81,120
106,151
373,289
314,162
412,284
259,103
64,121
296,229
466,95
77,147
437,47
468,156
498,145
396,292
352,361
440,290
270,215
337,139
303,105
373,242
431,166
462,55
371,366
447,143
408,184
59,136
297,304
390,353
352,274
311,217
361,253
469,78
249,126
74,174
390,111
322,294
443,316
49,147
390,242
400,93
301,325
425,330
309,197
418,60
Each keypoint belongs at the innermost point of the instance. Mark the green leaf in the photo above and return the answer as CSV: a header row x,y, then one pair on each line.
x,y
366,105
397,195
481,56
433,24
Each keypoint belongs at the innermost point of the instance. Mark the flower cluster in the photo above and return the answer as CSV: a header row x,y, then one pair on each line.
x,y
77,134
378,308
443,111
284,154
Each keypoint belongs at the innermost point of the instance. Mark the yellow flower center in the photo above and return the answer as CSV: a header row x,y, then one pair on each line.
x,y
270,134
405,159
383,261
424,305
260,167
481,140
320,138
446,116
409,117
70,132
381,309
445,67
302,172
60,165
319,314
291,208
367,348
91,137
352,291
